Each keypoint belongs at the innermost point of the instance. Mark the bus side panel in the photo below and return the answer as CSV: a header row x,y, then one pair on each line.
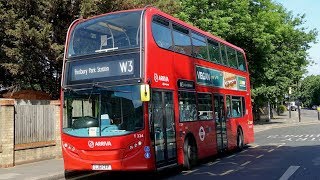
x,y
232,133
249,134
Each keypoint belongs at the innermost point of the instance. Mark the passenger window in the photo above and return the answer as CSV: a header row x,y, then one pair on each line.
x,y
224,55
162,33
199,46
232,58
241,62
228,103
243,106
205,106
182,41
236,107
187,106
214,51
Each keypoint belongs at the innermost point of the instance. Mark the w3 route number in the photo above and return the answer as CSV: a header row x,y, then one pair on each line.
x,y
126,66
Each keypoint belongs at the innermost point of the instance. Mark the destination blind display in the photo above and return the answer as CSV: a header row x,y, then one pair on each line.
x,y
104,68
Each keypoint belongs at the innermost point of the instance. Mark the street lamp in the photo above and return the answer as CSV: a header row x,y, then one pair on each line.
x,y
289,102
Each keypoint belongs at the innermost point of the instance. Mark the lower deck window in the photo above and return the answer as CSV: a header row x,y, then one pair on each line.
x,y
187,106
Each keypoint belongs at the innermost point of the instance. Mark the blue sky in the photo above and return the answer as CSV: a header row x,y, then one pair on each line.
x,y
311,9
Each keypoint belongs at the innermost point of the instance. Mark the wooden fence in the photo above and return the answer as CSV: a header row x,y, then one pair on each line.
x,y
34,124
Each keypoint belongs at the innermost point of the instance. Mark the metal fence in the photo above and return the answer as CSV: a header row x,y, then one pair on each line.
x,y
34,123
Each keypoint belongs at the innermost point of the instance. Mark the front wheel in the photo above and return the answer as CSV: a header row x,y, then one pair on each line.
x,y
190,153
240,138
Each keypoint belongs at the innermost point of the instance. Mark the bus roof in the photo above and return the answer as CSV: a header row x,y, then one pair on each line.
x,y
158,11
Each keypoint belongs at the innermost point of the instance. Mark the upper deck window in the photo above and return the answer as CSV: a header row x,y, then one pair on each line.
x,y
162,33
224,55
107,33
232,57
241,62
214,51
182,41
199,46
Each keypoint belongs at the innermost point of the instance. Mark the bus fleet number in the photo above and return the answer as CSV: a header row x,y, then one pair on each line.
x,y
138,135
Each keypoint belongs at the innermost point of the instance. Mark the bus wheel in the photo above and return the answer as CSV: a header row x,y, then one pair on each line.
x,y
240,140
190,153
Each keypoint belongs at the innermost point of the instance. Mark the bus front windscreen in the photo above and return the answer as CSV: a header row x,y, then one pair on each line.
x,y
106,33
102,111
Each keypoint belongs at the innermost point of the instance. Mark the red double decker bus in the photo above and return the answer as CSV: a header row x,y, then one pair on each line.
x,y
142,90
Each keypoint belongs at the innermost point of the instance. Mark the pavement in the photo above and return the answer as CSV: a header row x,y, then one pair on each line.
x,y
53,169
47,169
307,117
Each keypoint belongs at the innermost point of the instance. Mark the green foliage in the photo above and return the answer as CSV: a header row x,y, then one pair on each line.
x,y
275,42
281,109
32,35
309,91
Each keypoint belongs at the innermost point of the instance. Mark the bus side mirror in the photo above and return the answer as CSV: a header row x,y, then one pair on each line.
x,y
145,92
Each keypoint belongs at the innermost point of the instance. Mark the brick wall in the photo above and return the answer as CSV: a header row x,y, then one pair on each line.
x,y
6,132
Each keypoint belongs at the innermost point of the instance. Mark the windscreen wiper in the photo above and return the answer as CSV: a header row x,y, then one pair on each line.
x,y
106,50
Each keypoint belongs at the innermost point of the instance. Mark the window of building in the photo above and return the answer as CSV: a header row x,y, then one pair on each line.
x,y
162,33
214,51
241,62
232,58
187,106
199,46
182,41
205,106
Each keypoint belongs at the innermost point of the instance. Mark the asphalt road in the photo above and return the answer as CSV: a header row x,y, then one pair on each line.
x,y
280,153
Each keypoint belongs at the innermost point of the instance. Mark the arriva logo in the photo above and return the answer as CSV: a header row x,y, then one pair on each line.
x,y
162,78
93,144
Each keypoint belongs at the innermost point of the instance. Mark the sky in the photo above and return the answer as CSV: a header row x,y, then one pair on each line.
x,y
311,9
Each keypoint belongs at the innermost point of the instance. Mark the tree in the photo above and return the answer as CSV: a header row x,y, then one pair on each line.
x,y
309,91
274,40
33,34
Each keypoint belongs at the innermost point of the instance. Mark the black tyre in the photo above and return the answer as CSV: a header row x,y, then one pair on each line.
x,y
240,138
190,153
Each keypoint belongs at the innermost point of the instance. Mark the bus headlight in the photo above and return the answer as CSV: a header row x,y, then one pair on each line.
x,y
70,148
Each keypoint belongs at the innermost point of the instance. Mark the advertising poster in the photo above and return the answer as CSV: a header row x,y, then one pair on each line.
x,y
230,81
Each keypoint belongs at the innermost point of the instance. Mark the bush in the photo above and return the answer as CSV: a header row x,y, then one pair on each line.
x,y
281,109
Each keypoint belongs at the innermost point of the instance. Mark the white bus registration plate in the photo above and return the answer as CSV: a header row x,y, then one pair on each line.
x,y
101,167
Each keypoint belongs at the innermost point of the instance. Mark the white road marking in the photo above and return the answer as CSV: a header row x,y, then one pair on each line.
x,y
244,151
231,156
246,155
189,172
254,146
212,163
259,156
226,172
289,172
245,163
229,163
209,173
271,150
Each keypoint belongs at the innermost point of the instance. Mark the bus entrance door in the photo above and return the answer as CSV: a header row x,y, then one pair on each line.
x,y
161,113
221,129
